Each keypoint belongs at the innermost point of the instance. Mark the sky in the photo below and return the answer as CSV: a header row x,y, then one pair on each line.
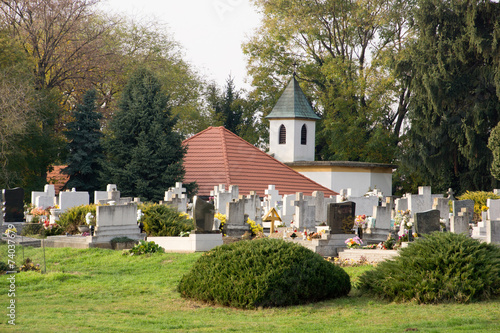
x,y
210,31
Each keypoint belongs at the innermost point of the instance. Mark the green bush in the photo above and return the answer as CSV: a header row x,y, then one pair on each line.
x,y
32,229
162,220
144,247
38,229
75,216
265,272
4,267
442,267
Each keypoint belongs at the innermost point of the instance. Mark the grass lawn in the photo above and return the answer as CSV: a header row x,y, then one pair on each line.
x,y
95,290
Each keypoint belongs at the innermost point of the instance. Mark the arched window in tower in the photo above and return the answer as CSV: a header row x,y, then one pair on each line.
x,y
303,135
282,138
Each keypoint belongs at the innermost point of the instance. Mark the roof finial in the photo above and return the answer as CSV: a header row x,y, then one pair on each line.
x,y
294,64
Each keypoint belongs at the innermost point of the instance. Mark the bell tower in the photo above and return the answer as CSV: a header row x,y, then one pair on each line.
x,y
292,126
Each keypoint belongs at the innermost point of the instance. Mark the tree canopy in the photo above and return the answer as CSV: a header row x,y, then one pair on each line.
x,y
345,54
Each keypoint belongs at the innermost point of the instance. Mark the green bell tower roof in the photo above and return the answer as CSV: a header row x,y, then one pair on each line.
x,y
293,104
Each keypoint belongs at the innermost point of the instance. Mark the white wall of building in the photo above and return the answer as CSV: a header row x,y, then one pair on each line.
x,y
358,182
293,150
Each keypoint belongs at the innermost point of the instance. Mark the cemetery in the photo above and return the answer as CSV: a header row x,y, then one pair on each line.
x,y
322,224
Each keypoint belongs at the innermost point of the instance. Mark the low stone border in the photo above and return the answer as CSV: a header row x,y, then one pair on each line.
x,y
370,255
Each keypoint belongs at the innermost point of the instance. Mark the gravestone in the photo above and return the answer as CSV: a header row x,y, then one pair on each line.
x,y
288,209
365,204
177,191
493,212
459,204
44,199
382,215
252,207
442,204
103,195
203,215
340,217
72,199
13,205
304,217
401,204
427,222
116,221
177,202
222,197
493,231
272,198
236,219
460,223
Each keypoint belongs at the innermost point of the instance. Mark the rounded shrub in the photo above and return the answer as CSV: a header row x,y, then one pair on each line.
x,y
162,220
442,267
263,273
75,216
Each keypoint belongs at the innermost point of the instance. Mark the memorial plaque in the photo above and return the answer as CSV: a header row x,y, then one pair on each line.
x,y
13,205
340,217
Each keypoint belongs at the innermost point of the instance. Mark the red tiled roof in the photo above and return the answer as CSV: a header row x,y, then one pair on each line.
x,y
217,156
57,178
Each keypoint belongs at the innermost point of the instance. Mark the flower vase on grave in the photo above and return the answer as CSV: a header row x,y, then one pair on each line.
x,y
359,232
410,235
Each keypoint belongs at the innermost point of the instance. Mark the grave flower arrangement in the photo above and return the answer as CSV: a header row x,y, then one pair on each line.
x,y
38,213
360,221
353,242
403,218
9,231
90,219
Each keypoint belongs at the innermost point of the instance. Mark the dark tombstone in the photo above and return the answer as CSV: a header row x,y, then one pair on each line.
x,y
459,204
13,205
203,215
340,217
427,222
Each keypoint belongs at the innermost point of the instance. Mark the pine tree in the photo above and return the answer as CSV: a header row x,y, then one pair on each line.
x,y
85,150
456,102
144,154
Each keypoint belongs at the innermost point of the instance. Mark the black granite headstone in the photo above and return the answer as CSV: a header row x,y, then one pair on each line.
x,y
427,222
13,205
340,217
203,215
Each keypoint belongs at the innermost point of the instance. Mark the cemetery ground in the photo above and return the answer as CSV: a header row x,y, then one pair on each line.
x,y
98,290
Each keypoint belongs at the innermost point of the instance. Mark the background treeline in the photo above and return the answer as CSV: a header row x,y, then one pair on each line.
x,y
415,83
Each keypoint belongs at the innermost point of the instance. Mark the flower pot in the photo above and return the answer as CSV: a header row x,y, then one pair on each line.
x,y
83,228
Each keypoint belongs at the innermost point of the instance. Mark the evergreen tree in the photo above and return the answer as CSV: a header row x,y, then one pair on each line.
x,y
227,107
144,154
456,95
85,150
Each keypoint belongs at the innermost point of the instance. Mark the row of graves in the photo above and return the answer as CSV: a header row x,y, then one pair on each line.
x,y
331,220
320,223
115,217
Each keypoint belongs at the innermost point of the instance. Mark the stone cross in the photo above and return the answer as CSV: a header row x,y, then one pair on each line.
x,y
272,197
178,191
